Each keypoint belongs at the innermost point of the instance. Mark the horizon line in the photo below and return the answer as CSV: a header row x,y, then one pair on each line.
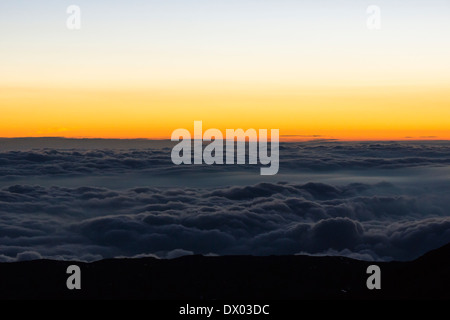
x,y
419,139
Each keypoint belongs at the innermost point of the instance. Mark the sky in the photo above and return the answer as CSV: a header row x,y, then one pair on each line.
x,y
141,69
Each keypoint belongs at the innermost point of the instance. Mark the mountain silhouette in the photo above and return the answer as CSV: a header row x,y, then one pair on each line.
x,y
230,277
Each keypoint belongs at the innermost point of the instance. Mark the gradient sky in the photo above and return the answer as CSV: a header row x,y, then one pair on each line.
x,y
144,68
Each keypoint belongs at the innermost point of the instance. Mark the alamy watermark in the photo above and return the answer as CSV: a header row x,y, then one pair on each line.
x,y
374,19
73,21
213,153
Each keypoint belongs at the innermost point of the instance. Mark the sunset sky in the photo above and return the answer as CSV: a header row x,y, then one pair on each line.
x,y
141,69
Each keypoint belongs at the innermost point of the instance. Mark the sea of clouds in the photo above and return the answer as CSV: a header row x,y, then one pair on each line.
x,y
79,200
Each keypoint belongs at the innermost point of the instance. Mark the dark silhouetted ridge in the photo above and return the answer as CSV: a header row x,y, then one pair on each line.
x,y
230,277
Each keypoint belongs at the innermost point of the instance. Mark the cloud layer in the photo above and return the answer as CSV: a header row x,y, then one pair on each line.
x,y
93,199
154,157
379,221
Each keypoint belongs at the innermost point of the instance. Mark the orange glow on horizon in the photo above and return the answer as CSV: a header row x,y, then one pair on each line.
x,y
366,113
